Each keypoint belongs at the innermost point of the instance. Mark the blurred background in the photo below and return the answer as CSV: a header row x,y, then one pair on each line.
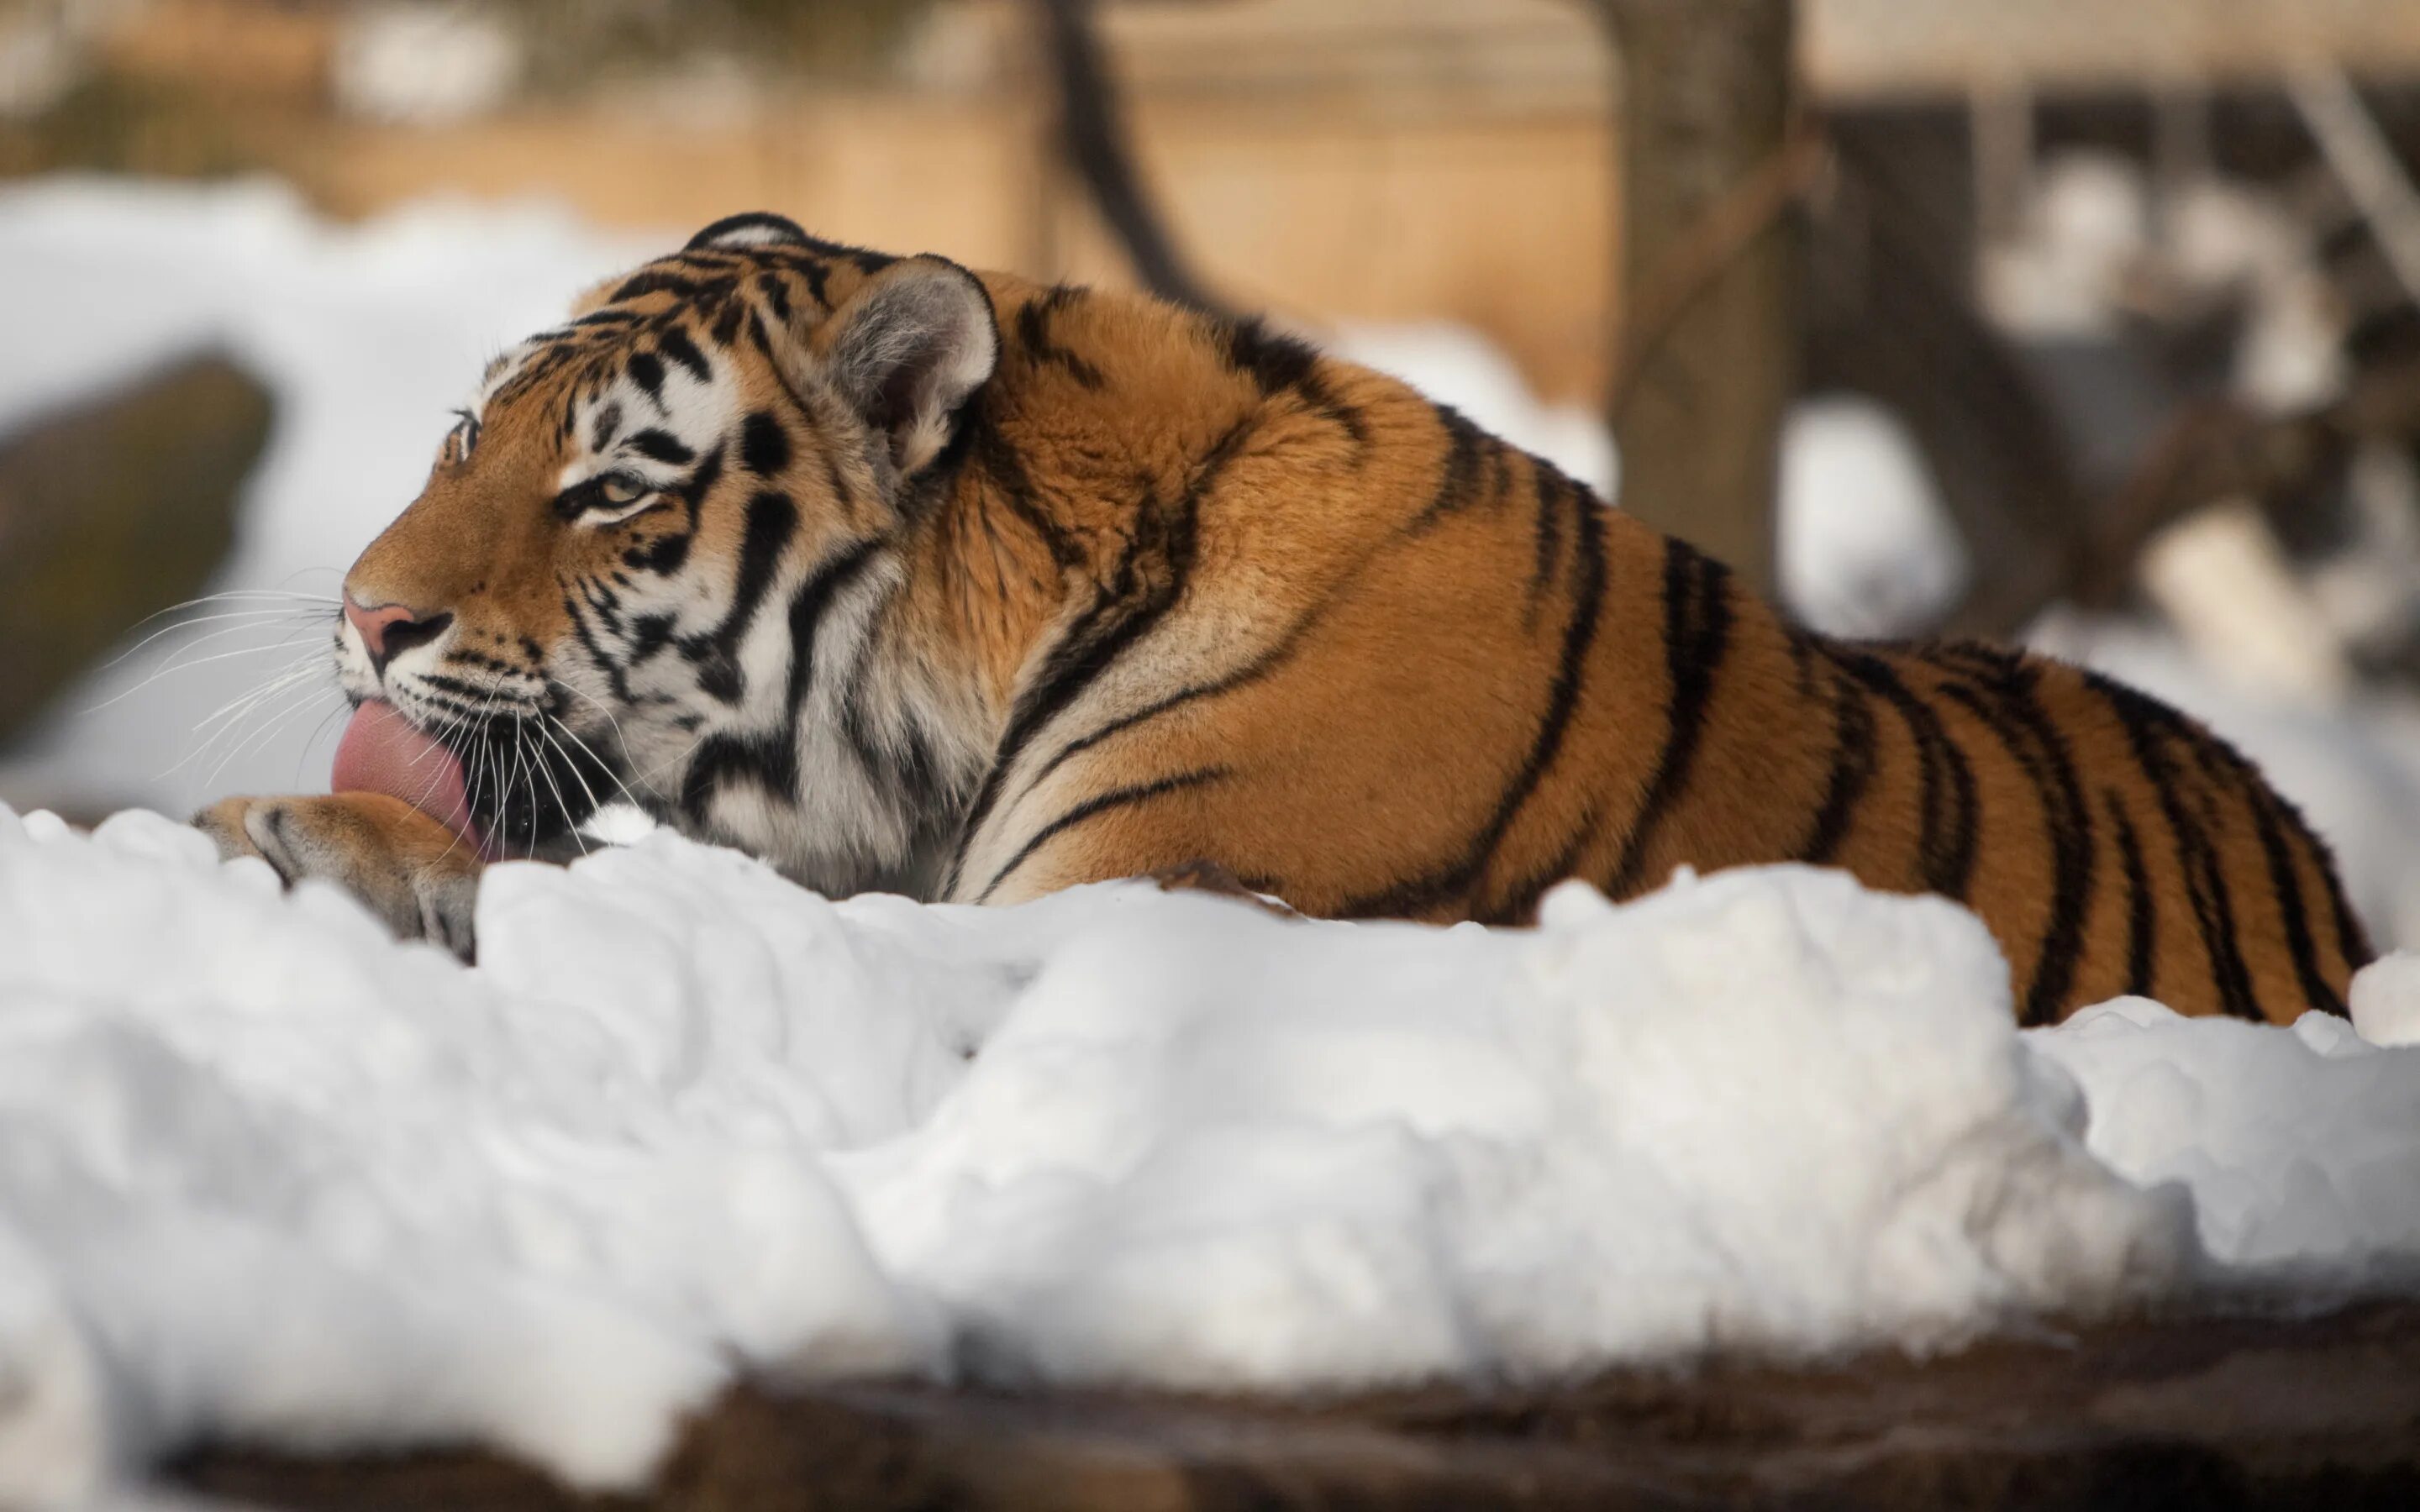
x,y
2092,325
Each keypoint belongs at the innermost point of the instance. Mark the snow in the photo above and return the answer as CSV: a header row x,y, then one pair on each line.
x,y
265,1173
424,64
1866,548
2234,1112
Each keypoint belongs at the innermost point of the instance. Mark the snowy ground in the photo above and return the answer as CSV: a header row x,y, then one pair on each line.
x,y
265,1173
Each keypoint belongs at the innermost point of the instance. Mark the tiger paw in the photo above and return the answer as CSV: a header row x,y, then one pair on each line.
x,y
1210,876
411,869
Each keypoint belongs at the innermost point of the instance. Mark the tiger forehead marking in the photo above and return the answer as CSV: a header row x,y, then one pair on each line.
x,y
901,576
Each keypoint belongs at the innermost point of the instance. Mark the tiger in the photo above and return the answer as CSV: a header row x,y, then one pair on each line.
x,y
904,576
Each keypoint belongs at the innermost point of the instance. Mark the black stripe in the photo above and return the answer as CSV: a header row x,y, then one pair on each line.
x,y
691,491
865,261
1551,485
2352,941
776,294
652,281
1562,700
676,346
456,687
1094,807
601,599
2149,724
2010,710
1281,365
1149,578
1251,672
1852,768
647,370
649,635
2353,947
1946,842
1004,466
769,761
2256,795
807,607
813,270
1458,477
2142,919
764,444
663,556
617,677
1697,633
1323,403
826,453
1268,660
1519,903
1277,363
662,446
772,520
1034,336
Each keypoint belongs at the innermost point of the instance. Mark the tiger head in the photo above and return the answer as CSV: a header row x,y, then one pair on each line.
x,y
648,558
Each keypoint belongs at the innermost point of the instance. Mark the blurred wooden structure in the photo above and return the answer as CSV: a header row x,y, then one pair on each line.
x,y
1332,160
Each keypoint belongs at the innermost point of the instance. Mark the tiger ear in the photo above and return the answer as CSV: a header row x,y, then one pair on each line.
x,y
907,350
753,228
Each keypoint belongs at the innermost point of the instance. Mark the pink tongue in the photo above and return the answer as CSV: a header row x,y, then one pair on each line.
x,y
383,752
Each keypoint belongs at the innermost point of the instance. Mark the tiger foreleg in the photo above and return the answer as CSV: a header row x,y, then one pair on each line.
x,y
1212,876
416,874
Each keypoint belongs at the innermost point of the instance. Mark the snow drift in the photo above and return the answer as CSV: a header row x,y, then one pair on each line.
x,y
266,1173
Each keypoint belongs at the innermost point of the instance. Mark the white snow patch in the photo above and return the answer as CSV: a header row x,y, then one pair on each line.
x,y
1867,547
265,1173
2386,1000
1456,365
2298,1145
426,64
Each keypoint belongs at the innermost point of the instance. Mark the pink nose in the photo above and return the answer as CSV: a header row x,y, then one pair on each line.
x,y
391,627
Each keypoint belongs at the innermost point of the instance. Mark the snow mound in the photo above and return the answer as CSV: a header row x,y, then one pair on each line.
x,y
265,1173
2302,1147
1866,548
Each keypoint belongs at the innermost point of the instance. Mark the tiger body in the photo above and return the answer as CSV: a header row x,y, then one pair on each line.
x,y
977,589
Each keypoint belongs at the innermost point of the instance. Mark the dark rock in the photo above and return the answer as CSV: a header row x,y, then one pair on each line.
x,y
2208,1412
114,509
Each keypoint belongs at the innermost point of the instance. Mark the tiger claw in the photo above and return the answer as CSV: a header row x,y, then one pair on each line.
x,y
410,871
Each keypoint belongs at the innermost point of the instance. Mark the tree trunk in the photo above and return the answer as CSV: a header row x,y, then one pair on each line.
x,y
1708,358
1093,140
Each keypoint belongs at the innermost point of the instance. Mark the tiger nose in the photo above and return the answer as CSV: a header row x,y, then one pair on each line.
x,y
388,628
